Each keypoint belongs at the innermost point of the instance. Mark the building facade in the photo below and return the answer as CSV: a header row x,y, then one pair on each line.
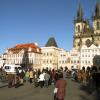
x,y
87,36
50,57
62,59
85,33
88,55
27,55
74,59
53,57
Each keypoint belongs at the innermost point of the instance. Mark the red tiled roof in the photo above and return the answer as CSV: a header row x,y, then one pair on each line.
x,y
20,47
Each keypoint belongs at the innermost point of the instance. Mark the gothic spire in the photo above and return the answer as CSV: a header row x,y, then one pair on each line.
x,y
97,10
79,15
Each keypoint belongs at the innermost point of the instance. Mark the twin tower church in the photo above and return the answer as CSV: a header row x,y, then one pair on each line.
x,y
85,33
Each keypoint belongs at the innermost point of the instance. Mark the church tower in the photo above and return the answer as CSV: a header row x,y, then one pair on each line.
x,y
79,24
96,24
96,19
85,33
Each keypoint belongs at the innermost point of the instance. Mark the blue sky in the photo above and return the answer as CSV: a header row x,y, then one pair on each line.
x,y
27,21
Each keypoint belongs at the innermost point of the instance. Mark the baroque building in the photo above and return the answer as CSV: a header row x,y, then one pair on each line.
x,y
53,57
27,55
30,55
85,33
50,54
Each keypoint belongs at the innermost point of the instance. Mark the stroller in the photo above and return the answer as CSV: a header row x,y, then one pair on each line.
x,y
36,82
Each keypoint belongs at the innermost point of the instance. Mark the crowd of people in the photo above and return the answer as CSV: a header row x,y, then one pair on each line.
x,y
87,76
46,77
42,78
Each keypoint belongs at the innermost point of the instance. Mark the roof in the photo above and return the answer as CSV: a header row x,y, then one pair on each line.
x,y
34,48
51,42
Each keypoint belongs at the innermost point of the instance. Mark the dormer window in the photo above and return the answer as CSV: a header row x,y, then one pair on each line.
x,y
37,50
30,49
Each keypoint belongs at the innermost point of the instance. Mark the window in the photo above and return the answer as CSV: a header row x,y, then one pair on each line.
x,y
77,61
84,29
7,67
82,50
71,61
98,39
65,61
88,50
78,28
44,54
50,54
62,62
98,25
89,62
50,61
74,61
92,50
95,50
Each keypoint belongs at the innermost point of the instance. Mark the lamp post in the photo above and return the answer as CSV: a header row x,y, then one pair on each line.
x,y
4,59
57,62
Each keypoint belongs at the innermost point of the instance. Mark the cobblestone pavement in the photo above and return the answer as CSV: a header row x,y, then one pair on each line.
x,y
28,92
3,84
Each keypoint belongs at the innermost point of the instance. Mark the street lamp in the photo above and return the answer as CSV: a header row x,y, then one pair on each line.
x,y
4,59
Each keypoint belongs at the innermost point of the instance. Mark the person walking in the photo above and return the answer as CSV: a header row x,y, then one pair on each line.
x,y
31,75
61,86
46,78
41,79
27,75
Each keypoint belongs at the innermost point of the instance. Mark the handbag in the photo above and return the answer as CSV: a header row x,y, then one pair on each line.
x,y
55,90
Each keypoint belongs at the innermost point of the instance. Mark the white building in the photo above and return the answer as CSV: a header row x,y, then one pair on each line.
x,y
73,59
87,55
27,55
50,57
87,36
54,58
62,58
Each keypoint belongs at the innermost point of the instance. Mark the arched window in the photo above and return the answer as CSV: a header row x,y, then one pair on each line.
x,y
98,25
84,28
78,28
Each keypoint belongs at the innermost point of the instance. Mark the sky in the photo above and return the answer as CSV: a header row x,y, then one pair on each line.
x,y
30,21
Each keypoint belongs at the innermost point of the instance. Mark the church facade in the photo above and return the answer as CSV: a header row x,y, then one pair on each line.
x,y
85,33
